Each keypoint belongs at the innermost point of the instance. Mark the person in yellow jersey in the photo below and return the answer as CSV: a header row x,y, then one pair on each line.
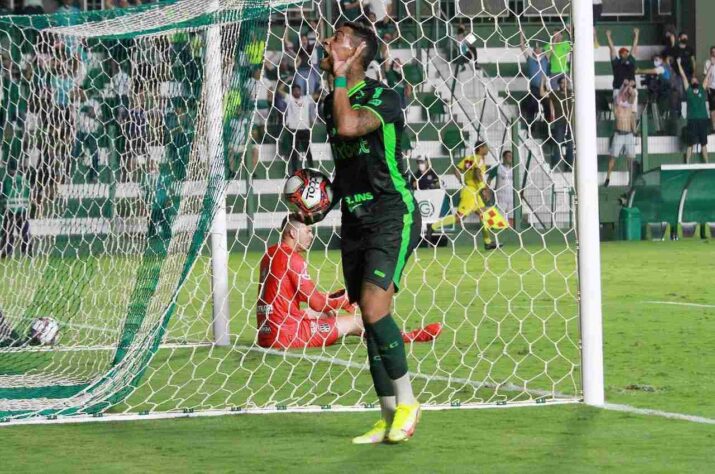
x,y
472,172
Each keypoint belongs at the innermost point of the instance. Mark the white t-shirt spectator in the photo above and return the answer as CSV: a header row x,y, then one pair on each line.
x,y
121,84
505,188
373,71
378,7
86,122
711,77
300,112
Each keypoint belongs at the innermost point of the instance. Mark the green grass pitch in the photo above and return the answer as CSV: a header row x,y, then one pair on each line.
x,y
657,356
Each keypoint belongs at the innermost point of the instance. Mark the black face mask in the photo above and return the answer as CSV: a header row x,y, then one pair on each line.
x,y
696,86
683,43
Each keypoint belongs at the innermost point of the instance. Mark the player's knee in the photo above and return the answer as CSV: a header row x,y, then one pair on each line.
x,y
374,303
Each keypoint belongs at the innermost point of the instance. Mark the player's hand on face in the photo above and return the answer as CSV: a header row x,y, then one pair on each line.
x,y
341,67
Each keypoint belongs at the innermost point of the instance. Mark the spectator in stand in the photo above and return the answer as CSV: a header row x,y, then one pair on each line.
x,y
686,54
286,72
299,118
386,26
561,106
351,9
87,135
537,67
467,50
597,10
698,120
624,136
623,64
671,53
32,7
134,129
503,173
121,84
425,178
710,80
16,194
662,84
307,75
378,8
559,54
111,4
68,6
63,87
254,51
312,31
396,80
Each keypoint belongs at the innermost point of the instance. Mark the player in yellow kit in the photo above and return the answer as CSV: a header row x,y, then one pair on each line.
x,y
472,171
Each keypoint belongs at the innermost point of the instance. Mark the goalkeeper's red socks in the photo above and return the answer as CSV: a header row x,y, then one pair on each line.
x,y
425,334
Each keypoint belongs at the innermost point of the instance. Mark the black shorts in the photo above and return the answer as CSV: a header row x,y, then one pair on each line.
x,y
377,250
711,99
698,132
597,12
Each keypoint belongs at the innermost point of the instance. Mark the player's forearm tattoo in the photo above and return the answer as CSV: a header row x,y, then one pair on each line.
x,y
366,122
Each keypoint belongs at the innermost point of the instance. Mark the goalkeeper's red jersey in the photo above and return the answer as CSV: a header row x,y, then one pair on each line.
x,y
284,284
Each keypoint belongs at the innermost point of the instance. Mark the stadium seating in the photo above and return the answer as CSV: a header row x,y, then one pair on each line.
x,y
688,230
439,127
657,230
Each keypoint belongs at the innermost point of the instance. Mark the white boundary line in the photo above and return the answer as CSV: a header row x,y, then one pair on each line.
x,y
339,409
266,411
429,378
354,409
679,303
172,345
662,414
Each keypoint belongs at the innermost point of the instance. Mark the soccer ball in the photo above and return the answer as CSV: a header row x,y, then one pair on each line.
x,y
44,331
309,194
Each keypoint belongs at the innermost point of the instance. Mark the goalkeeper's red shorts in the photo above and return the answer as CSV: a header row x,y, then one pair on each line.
x,y
307,333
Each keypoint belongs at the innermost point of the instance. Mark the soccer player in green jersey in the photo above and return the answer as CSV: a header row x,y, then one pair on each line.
x,y
380,220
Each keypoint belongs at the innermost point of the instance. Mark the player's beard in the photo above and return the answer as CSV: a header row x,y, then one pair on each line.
x,y
326,64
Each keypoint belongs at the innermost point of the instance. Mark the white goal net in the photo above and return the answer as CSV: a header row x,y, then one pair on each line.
x,y
125,130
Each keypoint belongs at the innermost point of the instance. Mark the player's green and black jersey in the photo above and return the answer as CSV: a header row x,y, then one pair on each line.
x,y
370,173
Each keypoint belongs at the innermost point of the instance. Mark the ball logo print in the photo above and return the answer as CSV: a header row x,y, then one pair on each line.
x,y
311,194
308,194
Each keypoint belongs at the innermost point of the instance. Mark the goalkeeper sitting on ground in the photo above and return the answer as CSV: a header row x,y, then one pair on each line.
x,y
471,171
285,283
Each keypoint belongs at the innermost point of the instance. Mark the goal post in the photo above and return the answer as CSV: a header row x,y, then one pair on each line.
x,y
156,141
589,250
219,246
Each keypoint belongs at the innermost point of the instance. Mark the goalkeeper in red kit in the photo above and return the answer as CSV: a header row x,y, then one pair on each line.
x,y
285,283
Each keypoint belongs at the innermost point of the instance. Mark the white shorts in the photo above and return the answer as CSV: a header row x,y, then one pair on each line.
x,y
623,144
505,202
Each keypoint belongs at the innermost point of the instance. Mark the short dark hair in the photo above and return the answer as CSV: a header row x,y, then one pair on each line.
x,y
367,34
289,218
503,154
479,144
